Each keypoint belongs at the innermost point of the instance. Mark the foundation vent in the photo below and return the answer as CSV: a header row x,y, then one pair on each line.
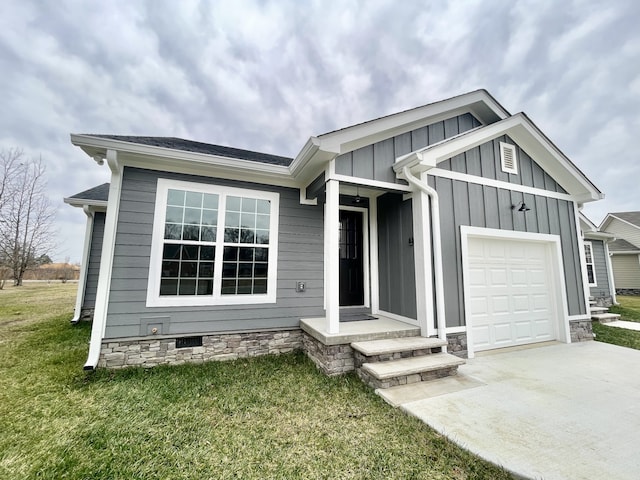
x,y
186,342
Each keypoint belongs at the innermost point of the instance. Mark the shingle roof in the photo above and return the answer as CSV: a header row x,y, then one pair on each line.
x,y
199,147
621,245
631,217
99,193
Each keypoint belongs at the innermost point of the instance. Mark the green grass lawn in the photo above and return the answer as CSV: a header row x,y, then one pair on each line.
x,y
629,309
267,417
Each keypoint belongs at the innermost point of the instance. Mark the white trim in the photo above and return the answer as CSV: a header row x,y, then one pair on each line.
x,y
422,255
558,281
84,267
370,183
583,265
490,182
593,266
332,257
460,329
373,255
612,286
504,149
306,201
82,202
610,215
574,318
400,318
365,252
155,261
106,262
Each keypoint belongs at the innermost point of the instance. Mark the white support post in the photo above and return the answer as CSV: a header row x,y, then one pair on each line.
x,y
373,255
612,286
423,266
583,260
82,281
331,256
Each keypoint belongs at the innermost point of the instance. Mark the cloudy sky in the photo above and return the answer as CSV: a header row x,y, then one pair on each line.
x,y
265,76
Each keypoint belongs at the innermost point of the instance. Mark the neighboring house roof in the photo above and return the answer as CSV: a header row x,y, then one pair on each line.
x,y
590,231
96,196
619,246
174,143
630,217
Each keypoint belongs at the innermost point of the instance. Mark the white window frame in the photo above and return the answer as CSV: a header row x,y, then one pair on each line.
x,y
592,263
154,299
503,149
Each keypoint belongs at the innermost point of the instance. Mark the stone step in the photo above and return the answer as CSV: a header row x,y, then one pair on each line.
x,y
411,366
397,345
401,394
597,310
605,317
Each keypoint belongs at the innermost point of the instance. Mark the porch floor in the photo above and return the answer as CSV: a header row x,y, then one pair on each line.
x,y
382,327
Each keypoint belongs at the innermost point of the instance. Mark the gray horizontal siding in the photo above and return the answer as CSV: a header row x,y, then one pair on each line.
x,y
463,203
600,266
626,270
375,162
484,161
93,263
300,258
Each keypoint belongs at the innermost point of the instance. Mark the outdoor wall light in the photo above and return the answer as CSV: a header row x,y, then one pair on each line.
x,y
523,207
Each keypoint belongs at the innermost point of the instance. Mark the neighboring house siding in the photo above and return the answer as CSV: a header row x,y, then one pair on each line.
x,y
484,161
463,203
626,270
625,231
300,258
93,266
600,265
396,268
374,162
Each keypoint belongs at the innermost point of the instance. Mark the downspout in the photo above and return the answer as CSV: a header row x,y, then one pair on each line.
x,y
437,248
612,286
82,282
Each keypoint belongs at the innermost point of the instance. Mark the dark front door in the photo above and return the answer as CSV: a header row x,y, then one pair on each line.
x,y
351,259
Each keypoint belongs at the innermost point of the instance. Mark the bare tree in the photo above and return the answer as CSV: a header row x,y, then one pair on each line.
x,y
26,214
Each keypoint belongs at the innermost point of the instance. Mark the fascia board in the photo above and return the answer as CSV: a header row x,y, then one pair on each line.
x,y
607,220
479,102
625,252
102,144
599,236
586,225
80,202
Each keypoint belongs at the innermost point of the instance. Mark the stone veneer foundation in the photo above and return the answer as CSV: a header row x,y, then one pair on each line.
x,y
158,351
581,330
331,359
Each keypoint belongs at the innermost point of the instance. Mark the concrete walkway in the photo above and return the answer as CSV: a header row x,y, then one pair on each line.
x,y
555,412
624,324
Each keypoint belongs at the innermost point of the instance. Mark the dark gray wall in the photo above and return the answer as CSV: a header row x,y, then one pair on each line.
x,y
374,162
600,266
463,203
484,161
93,263
396,265
300,258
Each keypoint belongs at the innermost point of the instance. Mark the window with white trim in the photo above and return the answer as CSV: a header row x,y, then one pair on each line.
x,y
212,245
508,159
591,269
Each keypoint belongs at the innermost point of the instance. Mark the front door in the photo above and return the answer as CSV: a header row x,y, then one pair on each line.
x,y
351,259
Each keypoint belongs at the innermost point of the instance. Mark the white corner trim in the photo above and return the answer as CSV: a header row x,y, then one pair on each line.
x,y
106,262
154,299
373,255
489,182
557,267
84,267
583,260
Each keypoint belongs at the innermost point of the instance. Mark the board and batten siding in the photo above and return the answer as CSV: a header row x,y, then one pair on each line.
x,y
602,288
375,162
93,263
300,258
463,203
626,270
484,161
624,231
396,264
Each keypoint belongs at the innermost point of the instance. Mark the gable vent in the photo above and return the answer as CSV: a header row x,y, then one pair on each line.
x,y
508,158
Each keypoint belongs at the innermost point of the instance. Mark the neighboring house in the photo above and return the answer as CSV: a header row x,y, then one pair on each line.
x,y
454,220
598,263
625,251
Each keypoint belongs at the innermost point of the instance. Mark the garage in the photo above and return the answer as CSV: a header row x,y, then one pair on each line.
x,y
509,286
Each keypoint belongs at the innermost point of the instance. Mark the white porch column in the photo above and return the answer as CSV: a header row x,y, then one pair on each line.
x,y
423,263
332,256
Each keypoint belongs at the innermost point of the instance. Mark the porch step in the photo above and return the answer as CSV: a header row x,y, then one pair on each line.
x,y
409,370
605,317
397,345
597,310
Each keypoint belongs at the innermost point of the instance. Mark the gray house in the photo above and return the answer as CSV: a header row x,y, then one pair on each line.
x,y
455,222
625,250
598,263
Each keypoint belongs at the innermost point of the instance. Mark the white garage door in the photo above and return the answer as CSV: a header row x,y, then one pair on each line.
x,y
510,293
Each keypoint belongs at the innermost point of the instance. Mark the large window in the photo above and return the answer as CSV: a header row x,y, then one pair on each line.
x,y
591,270
212,245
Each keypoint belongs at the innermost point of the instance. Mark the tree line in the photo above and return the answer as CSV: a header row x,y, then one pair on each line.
x,y
26,215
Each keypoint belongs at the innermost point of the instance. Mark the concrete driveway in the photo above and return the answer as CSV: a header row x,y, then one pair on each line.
x,y
555,412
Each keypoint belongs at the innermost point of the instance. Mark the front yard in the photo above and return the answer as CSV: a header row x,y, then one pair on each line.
x,y
268,417
629,310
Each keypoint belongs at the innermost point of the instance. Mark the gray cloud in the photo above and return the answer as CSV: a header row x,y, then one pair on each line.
x,y
266,75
